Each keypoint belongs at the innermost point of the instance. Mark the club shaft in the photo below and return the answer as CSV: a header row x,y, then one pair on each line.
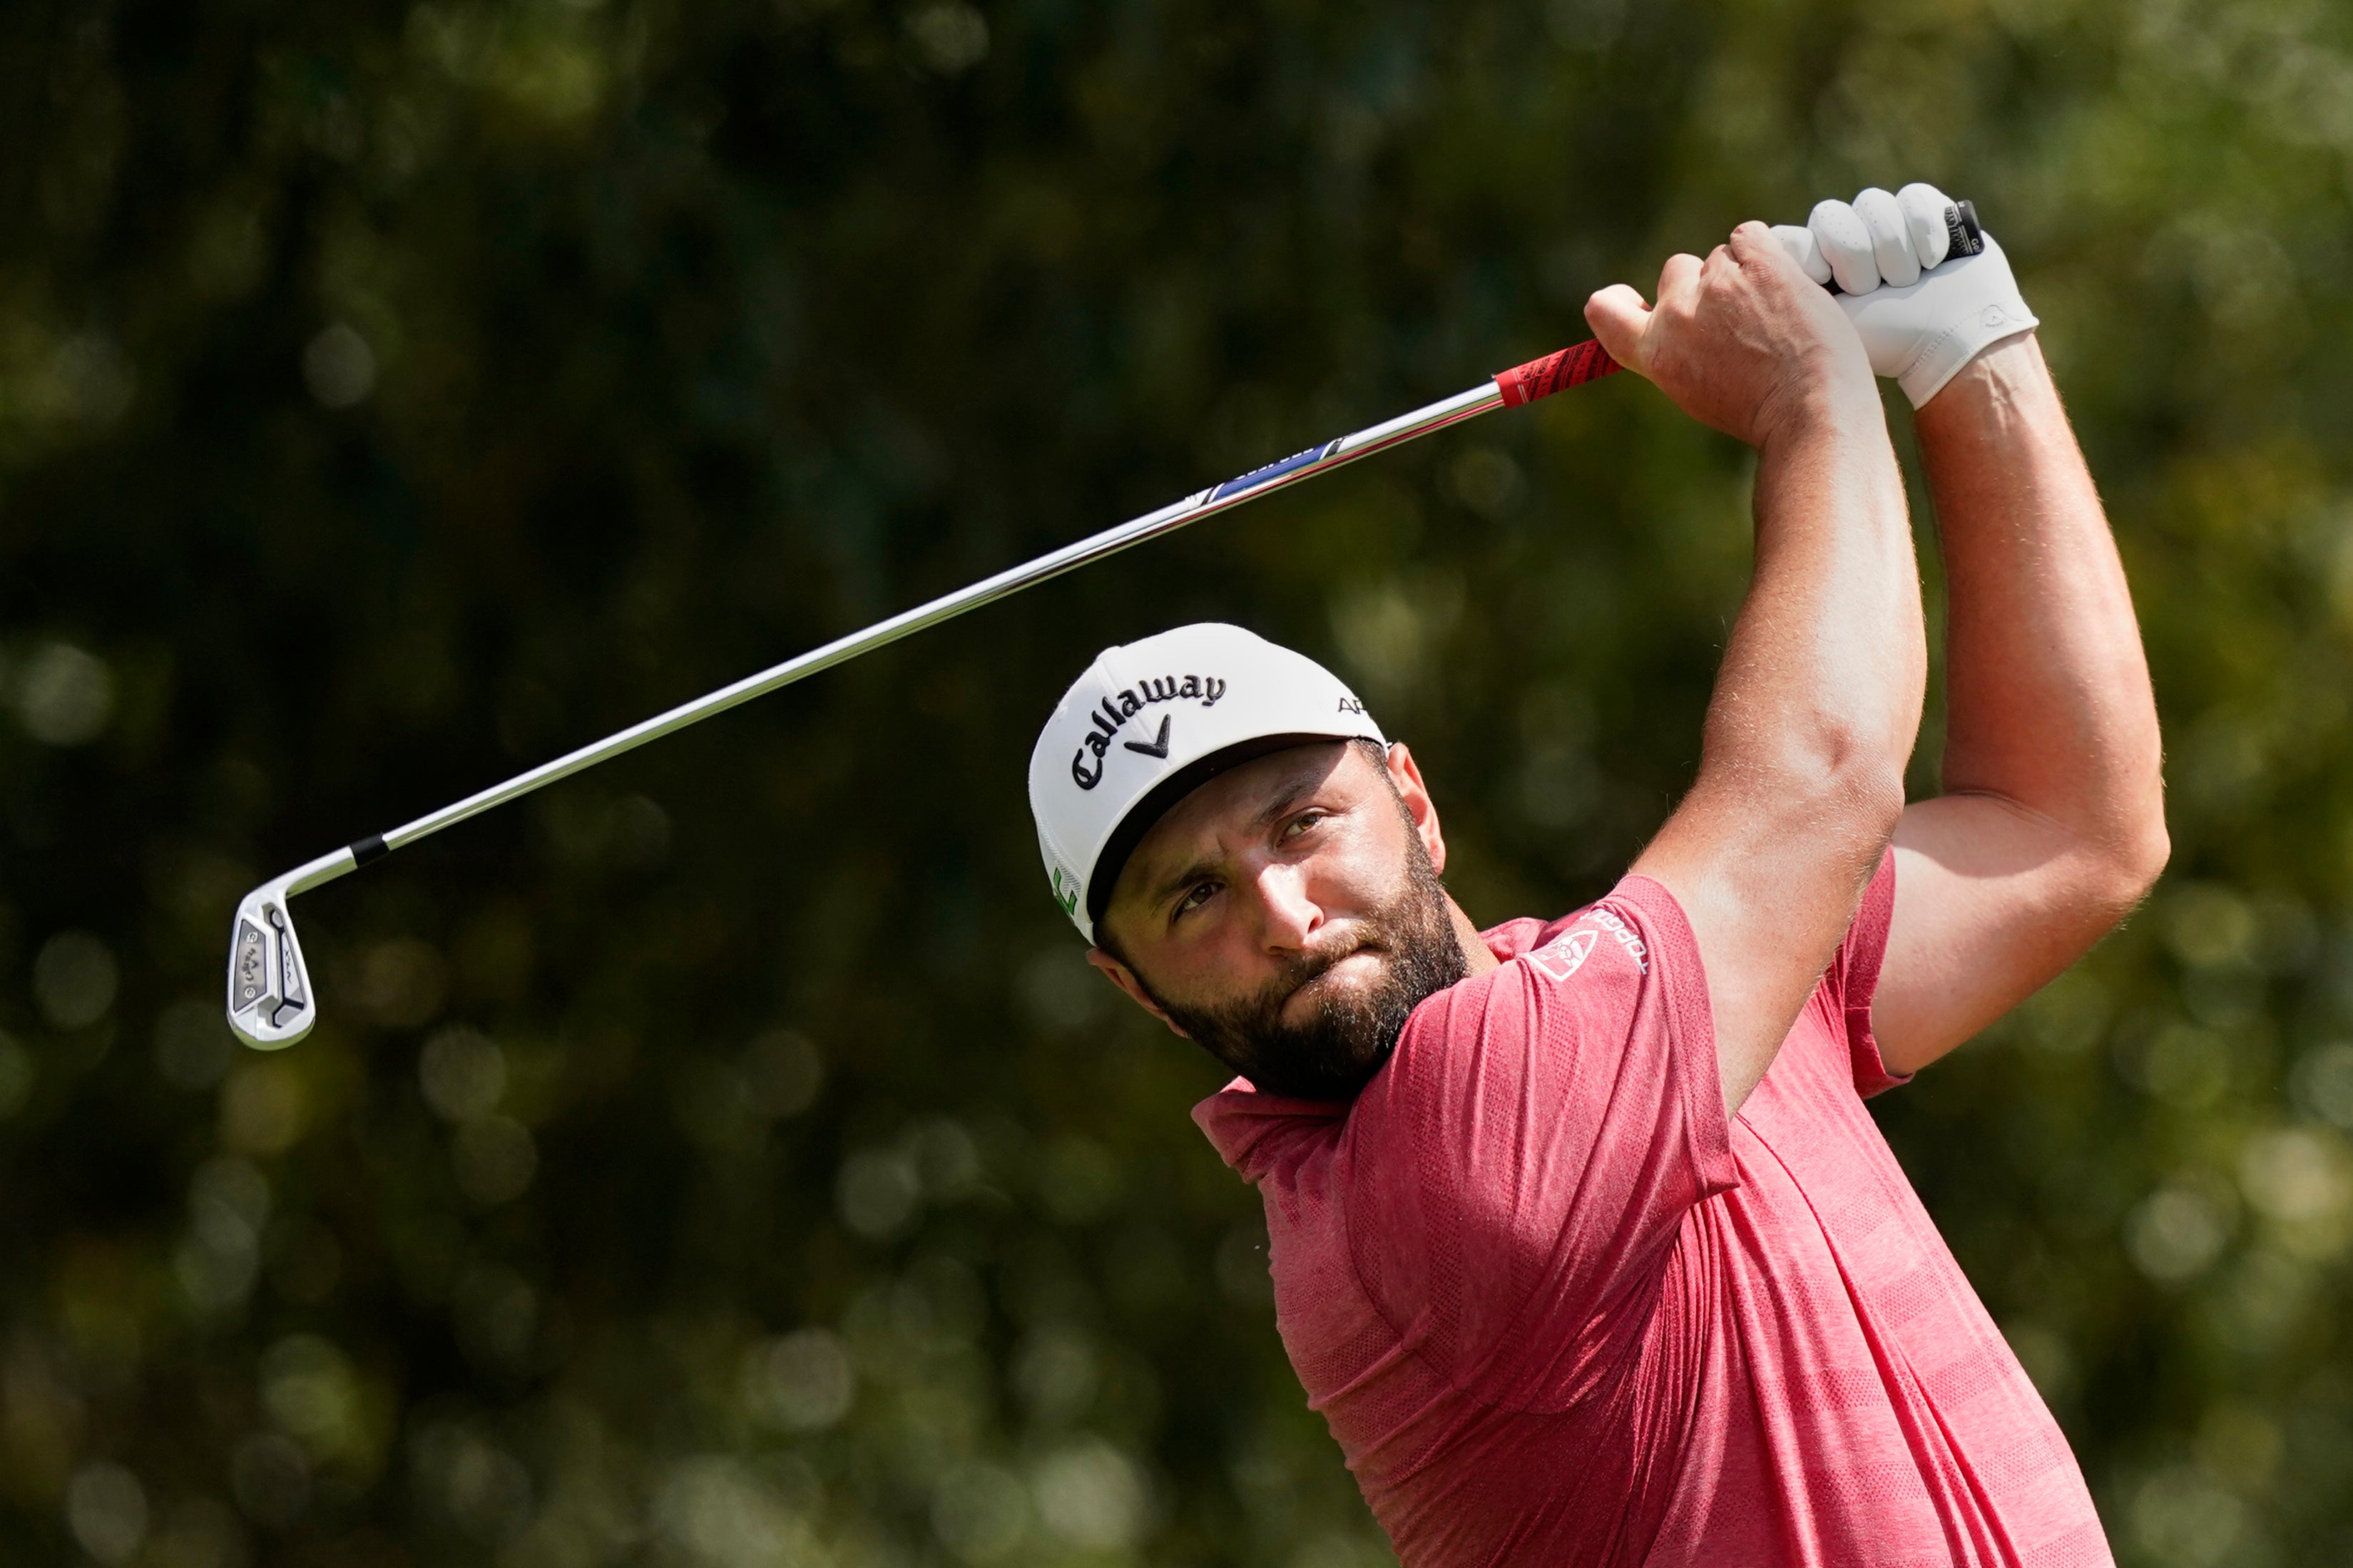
x,y
1109,542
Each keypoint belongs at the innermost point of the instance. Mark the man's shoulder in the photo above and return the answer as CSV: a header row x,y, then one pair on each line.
x,y
1563,948
1514,937
1620,913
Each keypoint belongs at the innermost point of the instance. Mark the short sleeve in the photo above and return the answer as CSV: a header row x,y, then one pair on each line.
x,y
1530,1150
1853,979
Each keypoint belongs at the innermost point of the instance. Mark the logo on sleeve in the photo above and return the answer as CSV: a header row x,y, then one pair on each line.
x,y
1602,916
1566,953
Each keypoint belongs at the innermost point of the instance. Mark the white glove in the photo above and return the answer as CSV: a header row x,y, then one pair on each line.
x,y
1921,316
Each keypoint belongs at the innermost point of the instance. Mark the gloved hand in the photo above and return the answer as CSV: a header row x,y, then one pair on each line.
x,y
1923,312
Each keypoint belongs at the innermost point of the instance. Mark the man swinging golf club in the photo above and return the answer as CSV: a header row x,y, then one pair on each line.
x,y
1582,1239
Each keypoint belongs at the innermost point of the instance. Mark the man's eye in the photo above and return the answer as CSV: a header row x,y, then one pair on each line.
x,y
1303,822
1195,897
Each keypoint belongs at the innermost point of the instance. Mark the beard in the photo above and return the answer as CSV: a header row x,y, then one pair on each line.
x,y
1336,1052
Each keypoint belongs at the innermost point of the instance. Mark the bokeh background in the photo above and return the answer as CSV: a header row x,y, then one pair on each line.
x,y
725,1159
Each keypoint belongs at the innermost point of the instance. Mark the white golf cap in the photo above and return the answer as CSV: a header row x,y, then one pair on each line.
x,y
1149,724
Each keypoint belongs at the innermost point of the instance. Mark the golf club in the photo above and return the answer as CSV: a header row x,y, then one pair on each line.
x,y
271,1002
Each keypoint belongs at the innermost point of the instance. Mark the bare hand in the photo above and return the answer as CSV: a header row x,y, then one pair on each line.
x,y
1744,341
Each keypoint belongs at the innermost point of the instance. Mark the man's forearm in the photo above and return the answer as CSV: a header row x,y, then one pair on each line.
x,y
1801,772
1825,657
2047,692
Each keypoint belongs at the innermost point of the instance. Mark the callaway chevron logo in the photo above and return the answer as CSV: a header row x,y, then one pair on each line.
x,y
1113,712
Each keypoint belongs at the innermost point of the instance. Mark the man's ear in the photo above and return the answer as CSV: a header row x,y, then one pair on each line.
x,y
1119,975
1423,811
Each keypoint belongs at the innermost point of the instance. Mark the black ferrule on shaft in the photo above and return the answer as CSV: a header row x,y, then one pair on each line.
x,y
372,848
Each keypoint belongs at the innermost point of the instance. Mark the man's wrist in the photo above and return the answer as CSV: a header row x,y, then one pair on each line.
x,y
1987,390
1831,407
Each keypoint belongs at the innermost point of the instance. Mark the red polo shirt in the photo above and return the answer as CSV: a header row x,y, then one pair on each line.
x,y
1558,1308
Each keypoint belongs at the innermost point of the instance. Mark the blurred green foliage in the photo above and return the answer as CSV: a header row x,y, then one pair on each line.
x,y
727,1159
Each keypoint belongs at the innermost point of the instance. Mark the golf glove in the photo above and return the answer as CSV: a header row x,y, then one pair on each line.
x,y
1921,316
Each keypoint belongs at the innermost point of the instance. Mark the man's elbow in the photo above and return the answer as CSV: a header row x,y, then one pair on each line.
x,y
1859,787
2145,858
1878,794
2131,860
1827,776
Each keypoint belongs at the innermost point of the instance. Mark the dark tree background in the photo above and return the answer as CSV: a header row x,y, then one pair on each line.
x,y
727,1159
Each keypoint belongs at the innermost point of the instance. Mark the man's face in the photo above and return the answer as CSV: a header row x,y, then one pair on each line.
x,y
1288,916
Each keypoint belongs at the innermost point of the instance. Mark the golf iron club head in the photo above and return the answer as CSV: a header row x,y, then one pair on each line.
x,y
271,1003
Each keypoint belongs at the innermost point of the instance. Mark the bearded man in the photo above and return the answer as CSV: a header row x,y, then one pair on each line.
x,y
1582,1239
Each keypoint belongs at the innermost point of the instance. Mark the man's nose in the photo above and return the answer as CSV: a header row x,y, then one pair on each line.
x,y
1288,915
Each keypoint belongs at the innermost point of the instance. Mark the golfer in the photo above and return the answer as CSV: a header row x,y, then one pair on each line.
x,y
1582,1239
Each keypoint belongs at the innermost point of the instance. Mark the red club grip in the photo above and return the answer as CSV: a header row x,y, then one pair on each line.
x,y
1572,366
